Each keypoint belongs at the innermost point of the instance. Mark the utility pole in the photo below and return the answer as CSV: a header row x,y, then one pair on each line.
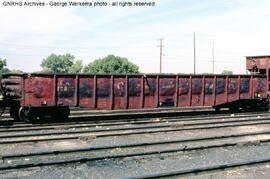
x,y
194,53
160,54
213,57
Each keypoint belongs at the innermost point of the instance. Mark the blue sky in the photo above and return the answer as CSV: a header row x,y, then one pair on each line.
x,y
238,27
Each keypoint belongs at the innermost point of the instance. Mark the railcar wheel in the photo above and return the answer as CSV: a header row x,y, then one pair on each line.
x,y
25,115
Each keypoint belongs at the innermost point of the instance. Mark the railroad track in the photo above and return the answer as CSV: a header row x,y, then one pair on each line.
x,y
199,170
118,140
137,128
37,157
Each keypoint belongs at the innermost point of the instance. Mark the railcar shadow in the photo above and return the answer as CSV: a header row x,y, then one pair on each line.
x,y
135,116
138,116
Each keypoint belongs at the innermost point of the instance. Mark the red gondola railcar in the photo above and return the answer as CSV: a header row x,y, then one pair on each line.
x,y
33,96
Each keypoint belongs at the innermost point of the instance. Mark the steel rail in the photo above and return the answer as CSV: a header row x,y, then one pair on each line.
x,y
140,144
202,169
136,154
127,133
149,121
162,125
105,122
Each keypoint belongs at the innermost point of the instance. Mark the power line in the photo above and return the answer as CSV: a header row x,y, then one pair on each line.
x,y
160,54
213,57
194,53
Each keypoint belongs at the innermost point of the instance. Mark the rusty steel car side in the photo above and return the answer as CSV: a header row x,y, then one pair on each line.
x,y
43,94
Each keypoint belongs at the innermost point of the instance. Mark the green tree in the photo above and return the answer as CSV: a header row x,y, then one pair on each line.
x,y
227,72
3,64
76,67
61,64
111,64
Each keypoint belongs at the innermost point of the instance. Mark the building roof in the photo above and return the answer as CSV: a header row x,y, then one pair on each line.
x,y
258,56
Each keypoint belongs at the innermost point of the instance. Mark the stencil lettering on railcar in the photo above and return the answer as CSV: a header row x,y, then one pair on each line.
x,y
167,87
66,88
220,86
244,85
